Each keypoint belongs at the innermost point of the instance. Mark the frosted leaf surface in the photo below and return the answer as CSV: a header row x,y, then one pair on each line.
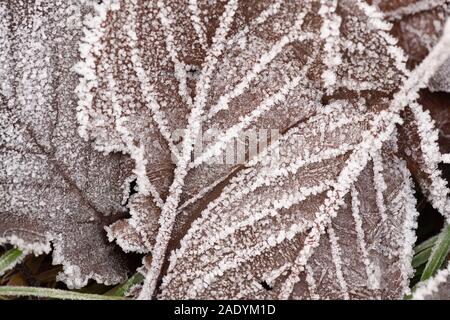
x,y
435,288
277,61
135,94
421,150
138,87
57,192
236,249
441,80
373,232
326,211
438,104
160,100
418,24
294,67
260,226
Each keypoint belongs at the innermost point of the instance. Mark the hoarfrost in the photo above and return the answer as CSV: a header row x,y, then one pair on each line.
x,y
56,190
283,65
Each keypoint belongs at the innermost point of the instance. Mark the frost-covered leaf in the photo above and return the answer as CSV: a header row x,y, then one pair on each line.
x,y
265,223
150,70
271,72
159,73
438,105
274,72
261,257
324,208
435,288
419,146
57,192
441,80
418,24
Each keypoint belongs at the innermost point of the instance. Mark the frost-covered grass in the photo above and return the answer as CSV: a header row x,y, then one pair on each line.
x,y
18,291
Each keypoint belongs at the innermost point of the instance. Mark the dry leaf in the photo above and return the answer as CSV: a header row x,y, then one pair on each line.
x,y
287,66
418,24
441,79
57,191
265,223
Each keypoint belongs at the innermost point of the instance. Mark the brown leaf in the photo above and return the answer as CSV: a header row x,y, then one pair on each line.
x,y
323,207
257,230
418,24
291,64
57,191
166,70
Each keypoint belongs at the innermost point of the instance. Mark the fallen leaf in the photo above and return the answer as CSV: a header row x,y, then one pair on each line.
x,y
58,193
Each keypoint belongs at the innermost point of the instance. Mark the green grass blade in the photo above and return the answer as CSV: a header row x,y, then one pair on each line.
x,y
416,278
122,289
17,291
9,259
421,258
429,243
438,254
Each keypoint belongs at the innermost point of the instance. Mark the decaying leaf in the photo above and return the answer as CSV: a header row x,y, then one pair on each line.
x,y
57,192
274,73
264,223
224,272
164,91
417,24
